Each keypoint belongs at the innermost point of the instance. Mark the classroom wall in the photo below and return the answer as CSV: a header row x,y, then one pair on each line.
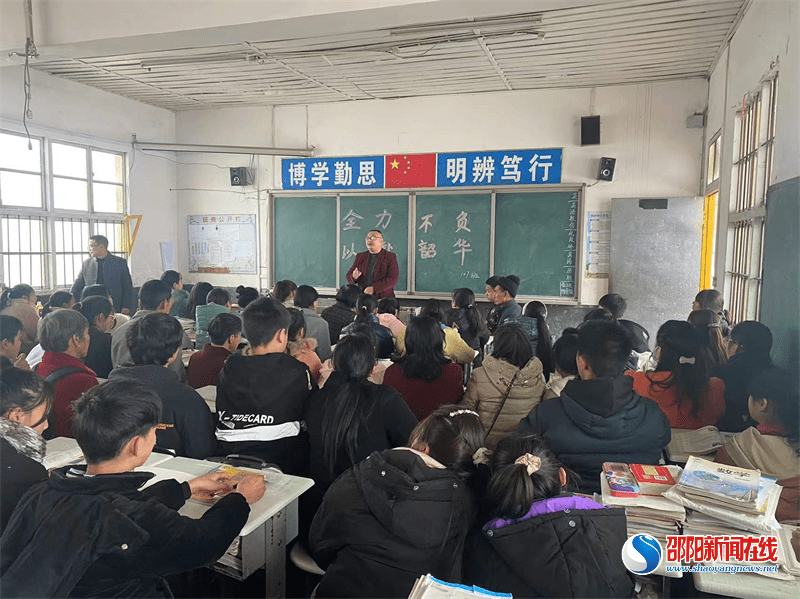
x,y
66,110
204,185
643,126
767,37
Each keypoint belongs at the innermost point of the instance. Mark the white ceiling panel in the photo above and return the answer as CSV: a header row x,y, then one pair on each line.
x,y
629,41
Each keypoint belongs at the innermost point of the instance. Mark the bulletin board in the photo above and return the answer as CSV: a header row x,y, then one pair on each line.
x,y
222,243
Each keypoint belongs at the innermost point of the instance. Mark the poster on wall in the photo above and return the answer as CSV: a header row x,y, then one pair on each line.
x,y
222,243
598,245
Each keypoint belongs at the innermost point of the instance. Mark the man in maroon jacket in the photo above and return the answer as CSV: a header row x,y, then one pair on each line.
x,y
375,271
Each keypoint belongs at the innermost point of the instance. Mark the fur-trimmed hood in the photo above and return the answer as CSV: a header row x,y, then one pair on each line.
x,y
23,438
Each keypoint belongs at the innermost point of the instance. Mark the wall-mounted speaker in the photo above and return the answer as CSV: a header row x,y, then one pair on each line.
x,y
240,176
606,171
590,130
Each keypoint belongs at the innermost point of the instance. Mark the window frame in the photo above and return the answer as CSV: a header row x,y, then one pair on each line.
x,y
751,172
52,215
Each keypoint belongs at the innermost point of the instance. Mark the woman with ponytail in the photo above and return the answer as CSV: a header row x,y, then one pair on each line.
x,y
367,314
401,513
543,542
680,384
467,320
58,300
709,324
19,301
99,311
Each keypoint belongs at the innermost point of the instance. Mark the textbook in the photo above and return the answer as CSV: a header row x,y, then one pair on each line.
x,y
428,587
653,480
728,486
685,443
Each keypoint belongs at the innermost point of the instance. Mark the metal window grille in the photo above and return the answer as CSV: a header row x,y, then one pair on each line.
x,y
752,171
24,245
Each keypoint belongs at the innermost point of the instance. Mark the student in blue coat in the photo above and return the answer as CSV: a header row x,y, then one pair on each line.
x,y
600,418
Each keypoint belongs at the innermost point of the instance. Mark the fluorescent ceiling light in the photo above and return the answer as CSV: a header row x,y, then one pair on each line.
x,y
524,20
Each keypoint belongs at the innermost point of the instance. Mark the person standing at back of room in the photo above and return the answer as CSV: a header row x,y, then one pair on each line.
x,y
375,271
109,270
504,298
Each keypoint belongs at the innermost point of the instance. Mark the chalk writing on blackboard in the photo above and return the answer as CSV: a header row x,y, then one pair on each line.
x,y
463,247
384,218
567,286
426,250
426,222
462,220
350,221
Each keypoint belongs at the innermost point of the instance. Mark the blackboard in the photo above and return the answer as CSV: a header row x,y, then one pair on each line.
x,y
780,296
537,241
388,214
445,239
305,240
453,235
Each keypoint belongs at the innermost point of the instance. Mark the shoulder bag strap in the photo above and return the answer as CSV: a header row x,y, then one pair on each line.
x,y
503,402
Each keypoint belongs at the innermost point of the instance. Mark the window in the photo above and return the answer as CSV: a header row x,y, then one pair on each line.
x,y
714,158
50,208
753,148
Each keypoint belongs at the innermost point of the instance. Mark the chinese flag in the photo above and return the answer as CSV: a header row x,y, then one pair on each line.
x,y
411,170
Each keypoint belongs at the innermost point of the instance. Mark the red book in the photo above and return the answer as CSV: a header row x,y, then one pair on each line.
x,y
653,480
410,170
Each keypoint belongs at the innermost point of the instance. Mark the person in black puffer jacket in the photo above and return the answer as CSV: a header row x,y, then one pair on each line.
x,y
600,418
342,313
541,541
401,513
468,321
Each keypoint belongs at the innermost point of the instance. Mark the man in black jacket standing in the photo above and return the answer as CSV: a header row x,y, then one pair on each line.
x,y
89,532
600,418
109,270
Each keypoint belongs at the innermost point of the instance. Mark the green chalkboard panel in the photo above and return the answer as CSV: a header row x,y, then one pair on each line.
x,y
452,241
536,239
388,214
305,240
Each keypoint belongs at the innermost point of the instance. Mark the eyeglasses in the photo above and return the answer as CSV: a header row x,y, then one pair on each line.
x,y
373,238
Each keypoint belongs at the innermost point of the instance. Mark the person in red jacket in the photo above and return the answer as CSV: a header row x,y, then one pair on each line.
x,y
64,335
375,271
225,333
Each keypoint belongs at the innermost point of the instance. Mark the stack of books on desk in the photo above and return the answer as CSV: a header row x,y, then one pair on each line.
x,y
428,587
736,498
650,514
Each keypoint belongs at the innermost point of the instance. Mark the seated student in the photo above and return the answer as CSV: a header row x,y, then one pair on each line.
x,y
505,292
494,311
367,315
600,418
425,378
342,312
708,323
59,300
100,289
225,335
154,296
90,532
565,355
534,320
401,513
99,312
749,350
711,299
25,402
616,305
604,315
455,348
773,445
11,341
351,417
284,291
64,335
187,426
543,541
218,301
301,348
680,384
19,301
180,297
197,297
245,295
467,320
507,386
387,315
316,328
378,370
260,396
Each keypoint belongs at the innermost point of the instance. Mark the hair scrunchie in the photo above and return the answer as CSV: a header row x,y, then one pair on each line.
x,y
462,412
532,463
